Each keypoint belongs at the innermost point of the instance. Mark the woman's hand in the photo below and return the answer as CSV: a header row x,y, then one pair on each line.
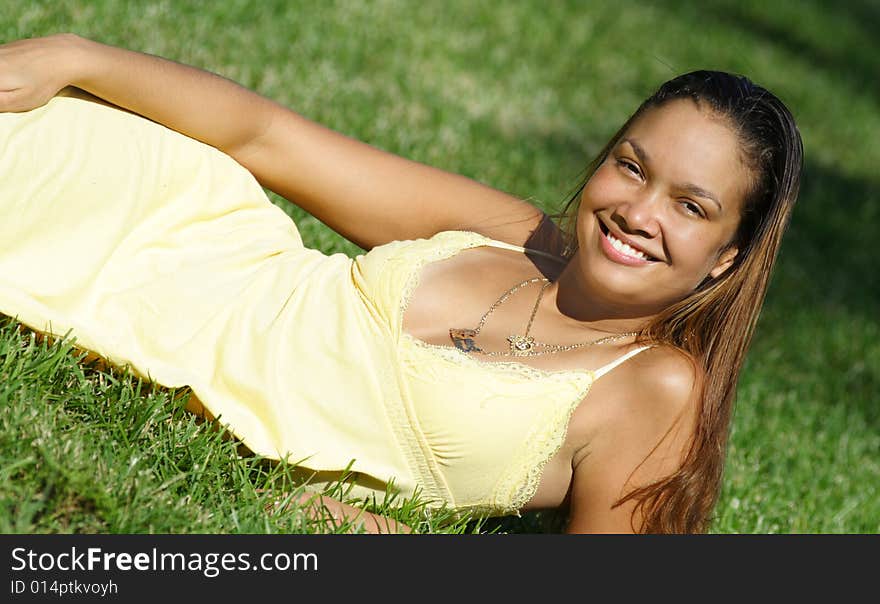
x,y
334,514
32,71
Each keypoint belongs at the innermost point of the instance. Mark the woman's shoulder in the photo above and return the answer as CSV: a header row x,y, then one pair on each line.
x,y
637,430
651,390
665,370
642,411
663,381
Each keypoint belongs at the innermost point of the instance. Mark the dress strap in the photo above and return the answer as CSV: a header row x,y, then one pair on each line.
x,y
510,246
606,368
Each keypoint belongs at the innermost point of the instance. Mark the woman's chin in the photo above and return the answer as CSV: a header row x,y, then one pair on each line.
x,y
619,288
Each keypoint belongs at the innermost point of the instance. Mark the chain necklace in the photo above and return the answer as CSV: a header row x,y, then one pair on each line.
x,y
520,345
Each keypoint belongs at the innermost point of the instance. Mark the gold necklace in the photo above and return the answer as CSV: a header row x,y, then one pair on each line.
x,y
520,345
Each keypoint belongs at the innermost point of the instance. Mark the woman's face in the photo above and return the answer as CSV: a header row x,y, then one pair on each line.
x,y
656,218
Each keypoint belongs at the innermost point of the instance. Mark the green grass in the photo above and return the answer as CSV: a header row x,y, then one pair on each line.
x,y
517,95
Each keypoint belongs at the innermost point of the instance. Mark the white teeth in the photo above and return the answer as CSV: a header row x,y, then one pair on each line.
x,y
623,248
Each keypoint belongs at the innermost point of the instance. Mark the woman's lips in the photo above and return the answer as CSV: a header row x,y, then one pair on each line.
x,y
618,251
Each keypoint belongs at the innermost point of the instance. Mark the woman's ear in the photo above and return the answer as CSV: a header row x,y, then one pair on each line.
x,y
725,259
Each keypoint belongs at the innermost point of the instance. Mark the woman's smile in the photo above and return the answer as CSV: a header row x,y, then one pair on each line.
x,y
619,249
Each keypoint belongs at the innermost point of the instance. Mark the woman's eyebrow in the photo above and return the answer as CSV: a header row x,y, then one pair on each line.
x,y
637,149
700,192
689,187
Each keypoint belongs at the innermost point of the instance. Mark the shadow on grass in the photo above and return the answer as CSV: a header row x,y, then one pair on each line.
x,y
543,521
827,282
850,57
829,255
858,65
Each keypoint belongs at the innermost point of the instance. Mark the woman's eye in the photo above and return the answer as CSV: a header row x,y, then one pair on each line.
x,y
692,208
629,166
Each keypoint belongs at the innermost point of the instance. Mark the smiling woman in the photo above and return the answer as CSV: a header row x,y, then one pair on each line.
x,y
692,196
643,207
491,369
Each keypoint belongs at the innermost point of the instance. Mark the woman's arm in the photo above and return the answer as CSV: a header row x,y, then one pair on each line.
x,y
641,430
367,195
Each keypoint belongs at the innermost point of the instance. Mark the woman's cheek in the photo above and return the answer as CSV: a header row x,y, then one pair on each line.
x,y
601,186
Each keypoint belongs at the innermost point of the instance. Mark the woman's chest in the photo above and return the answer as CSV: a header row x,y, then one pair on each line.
x,y
487,418
481,300
494,432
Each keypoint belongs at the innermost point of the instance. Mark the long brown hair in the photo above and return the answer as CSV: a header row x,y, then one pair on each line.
x,y
713,325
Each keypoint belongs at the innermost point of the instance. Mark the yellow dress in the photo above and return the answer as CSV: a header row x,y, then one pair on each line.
x,y
162,253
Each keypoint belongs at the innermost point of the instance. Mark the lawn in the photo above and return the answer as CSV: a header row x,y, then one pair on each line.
x,y
518,95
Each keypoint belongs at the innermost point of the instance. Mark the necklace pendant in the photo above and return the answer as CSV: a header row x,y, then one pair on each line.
x,y
521,345
464,340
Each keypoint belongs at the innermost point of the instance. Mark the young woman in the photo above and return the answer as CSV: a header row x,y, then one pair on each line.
x,y
478,354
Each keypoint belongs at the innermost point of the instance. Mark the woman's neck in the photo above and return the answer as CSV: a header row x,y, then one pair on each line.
x,y
578,306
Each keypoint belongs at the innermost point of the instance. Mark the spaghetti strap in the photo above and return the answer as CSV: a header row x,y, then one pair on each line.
x,y
524,250
606,368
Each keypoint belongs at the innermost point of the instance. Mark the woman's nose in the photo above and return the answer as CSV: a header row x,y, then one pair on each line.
x,y
639,215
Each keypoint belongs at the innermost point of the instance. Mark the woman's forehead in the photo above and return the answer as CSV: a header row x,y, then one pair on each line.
x,y
683,142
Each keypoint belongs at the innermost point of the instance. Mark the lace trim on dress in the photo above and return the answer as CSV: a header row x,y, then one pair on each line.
x,y
520,481
422,462
435,254
451,353
526,371
435,492
521,475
